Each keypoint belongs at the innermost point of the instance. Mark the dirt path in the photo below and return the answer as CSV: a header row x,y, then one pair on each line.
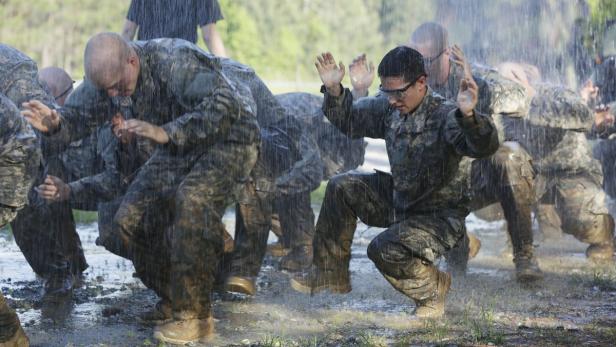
x,y
575,305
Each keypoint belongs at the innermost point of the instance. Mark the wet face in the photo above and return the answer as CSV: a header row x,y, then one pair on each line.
x,y
436,63
403,95
124,81
119,130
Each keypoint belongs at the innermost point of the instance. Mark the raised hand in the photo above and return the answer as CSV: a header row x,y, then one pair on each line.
x,y
361,74
54,189
589,92
458,58
467,96
330,73
41,117
147,130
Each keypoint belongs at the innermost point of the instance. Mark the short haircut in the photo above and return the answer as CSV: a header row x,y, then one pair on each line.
x,y
404,62
430,33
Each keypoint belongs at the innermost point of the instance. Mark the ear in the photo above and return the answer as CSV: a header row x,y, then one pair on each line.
x,y
422,81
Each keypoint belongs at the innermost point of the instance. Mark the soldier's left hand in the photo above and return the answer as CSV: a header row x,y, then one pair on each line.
x,y
54,189
467,96
458,58
361,73
147,130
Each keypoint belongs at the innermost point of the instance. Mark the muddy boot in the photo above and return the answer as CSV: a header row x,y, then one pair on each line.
x,y
434,307
315,280
474,245
19,339
277,249
601,253
59,285
526,268
181,332
161,313
239,284
229,243
299,259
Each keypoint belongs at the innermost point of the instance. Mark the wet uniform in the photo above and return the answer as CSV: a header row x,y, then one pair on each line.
x,y
422,203
213,145
45,233
567,175
19,166
507,176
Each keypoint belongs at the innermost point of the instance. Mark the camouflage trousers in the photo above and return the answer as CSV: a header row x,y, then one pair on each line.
x,y
202,184
580,204
9,322
506,177
48,239
296,219
149,249
606,153
401,253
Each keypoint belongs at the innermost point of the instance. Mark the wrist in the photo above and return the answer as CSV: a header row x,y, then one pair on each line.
x,y
334,90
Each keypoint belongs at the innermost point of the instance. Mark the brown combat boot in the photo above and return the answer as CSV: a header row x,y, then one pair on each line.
x,y
239,284
277,249
315,280
474,245
181,332
161,313
601,253
526,268
298,259
19,339
434,307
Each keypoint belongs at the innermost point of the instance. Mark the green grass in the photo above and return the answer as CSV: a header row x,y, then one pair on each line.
x,y
85,216
317,195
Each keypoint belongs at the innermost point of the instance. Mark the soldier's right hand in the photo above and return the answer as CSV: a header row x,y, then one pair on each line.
x,y
361,74
589,92
54,189
330,73
41,117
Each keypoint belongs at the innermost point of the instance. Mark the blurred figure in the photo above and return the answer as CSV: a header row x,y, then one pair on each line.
x,y
175,19
19,164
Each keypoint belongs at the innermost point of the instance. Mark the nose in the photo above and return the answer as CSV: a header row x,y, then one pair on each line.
x,y
391,100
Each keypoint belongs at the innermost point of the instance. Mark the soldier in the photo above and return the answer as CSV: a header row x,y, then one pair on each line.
x,y
45,233
422,203
505,177
19,165
568,177
205,126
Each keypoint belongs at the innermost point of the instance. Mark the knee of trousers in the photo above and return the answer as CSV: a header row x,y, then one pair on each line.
x,y
512,164
592,228
394,260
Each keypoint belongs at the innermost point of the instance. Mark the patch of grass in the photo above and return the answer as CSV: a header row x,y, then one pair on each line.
x,y
85,216
369,340
436,330
316,197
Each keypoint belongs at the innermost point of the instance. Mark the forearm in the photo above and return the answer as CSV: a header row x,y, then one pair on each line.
x,y
213,41
356,120
129,30
474,136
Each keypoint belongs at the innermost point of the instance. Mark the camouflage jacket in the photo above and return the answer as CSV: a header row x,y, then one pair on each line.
x,y
120,164
339,153
557,145
499,97
19,160
305,173
424,148
174,90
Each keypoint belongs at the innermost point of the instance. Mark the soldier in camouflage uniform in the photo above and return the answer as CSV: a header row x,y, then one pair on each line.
x,y
339,154
45,233
19,165
422,203
507,176
207,134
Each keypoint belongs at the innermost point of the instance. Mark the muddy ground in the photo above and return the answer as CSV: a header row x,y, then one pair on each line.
x,y
575,305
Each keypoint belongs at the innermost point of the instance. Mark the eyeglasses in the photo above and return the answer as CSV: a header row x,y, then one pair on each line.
x,y
430,60
395,93
68,90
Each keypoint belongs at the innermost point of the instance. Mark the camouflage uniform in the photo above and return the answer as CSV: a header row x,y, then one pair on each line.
x,y
567,175
289,163
45,233
19,164
423,202
338,154
507,176
210,120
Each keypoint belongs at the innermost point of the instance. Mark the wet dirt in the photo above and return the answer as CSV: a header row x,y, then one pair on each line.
x,y
574,305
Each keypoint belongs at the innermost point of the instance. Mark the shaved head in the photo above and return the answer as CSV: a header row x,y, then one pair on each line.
x,y
57,81
430,36
111,64
105,56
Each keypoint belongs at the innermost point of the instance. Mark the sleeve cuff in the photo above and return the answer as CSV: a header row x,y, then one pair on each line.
x,y
76,189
